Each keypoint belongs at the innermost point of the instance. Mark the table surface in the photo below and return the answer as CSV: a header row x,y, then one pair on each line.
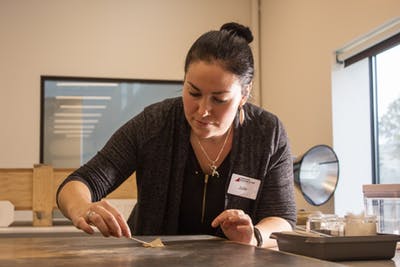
x,y
71,249
67,246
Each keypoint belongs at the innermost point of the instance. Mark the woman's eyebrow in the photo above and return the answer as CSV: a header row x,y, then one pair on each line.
x,y
214,93
194,86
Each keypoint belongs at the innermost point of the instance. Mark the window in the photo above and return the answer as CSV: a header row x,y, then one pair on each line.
x,y
78,115
384,63
387,122
366,114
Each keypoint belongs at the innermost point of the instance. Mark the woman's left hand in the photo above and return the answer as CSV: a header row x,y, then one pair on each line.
x,y
236,225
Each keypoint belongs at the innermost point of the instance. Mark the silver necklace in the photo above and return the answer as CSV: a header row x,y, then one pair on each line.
x,y
211,163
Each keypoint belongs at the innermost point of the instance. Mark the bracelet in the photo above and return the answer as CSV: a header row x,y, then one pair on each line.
x,y
258,237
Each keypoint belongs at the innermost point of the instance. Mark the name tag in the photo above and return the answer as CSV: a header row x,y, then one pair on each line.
x,y
243,186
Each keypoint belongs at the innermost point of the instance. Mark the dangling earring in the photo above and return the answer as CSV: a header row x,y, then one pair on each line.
x,y
241,115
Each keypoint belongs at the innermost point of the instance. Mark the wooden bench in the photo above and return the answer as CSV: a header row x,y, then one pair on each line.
x,y
35,189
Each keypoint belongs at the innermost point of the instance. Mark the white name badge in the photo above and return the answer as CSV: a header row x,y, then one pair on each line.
x,y
243,186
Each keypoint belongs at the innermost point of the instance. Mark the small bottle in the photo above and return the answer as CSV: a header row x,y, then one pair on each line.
x,y
314,222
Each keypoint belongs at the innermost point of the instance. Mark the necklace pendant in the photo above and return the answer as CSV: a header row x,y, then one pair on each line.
x,y
214,171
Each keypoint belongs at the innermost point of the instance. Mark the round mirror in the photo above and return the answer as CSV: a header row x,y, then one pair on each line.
x,y
316,172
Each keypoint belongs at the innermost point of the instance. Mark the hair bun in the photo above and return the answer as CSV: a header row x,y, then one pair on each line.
x,y
239,30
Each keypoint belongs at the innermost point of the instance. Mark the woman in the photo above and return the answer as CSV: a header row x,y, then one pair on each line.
x,y
206,163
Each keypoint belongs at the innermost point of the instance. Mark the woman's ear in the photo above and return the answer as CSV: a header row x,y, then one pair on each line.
x,y
246,93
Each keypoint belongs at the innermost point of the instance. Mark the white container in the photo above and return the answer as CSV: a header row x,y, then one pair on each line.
x,y
360,225
6,213
383,201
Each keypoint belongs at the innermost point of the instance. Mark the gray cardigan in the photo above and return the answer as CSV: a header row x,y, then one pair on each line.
x,y
155,144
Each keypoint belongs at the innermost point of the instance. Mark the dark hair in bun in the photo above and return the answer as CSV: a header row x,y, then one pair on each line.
x,y
229,47
239,30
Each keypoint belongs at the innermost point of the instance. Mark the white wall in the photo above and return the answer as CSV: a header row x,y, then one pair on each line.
x,y
352,134
94,38
149,39
298,39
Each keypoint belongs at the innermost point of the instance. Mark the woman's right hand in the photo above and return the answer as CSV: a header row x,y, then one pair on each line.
x,y
102,215
74,201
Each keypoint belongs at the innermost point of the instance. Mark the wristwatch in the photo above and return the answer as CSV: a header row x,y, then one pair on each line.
x,y
258,237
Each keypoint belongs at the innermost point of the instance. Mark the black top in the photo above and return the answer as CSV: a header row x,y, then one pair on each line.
x,y
155,144
190,217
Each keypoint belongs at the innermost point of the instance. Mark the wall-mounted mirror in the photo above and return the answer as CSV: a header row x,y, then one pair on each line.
x,y
78,115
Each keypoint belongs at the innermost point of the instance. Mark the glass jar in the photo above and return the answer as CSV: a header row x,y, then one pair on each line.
x,y
314,222
334,225
329,224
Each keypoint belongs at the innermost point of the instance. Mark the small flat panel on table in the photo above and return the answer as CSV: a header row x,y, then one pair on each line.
x,y
79,250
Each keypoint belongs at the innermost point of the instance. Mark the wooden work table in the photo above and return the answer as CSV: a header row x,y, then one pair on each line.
x,y
68,247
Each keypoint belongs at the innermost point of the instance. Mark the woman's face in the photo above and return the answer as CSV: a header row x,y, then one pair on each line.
x,y
211,97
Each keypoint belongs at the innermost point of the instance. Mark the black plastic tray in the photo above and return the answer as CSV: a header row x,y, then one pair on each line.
x,y
339,248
